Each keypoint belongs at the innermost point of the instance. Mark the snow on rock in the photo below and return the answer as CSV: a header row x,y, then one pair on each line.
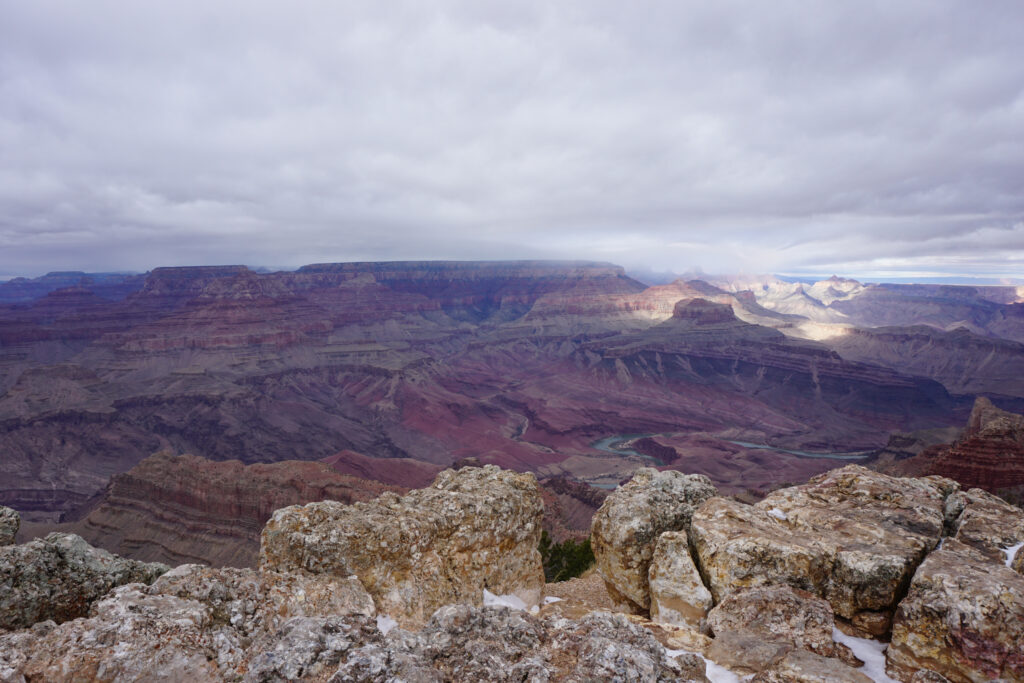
x,y
1011,552
871,652
714,672
385,623
492,600
778,514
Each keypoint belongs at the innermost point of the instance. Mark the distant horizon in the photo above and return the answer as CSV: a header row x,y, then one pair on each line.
x,y
646,276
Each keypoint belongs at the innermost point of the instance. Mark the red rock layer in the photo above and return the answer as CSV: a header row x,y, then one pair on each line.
x,y
184,508
990,455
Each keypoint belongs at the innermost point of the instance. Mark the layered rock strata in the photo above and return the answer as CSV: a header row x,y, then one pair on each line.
x,y
186,509
58,578
625,529
989,454
473,529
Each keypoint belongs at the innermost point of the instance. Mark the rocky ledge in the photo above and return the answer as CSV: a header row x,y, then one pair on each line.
x,y
444,584
935,568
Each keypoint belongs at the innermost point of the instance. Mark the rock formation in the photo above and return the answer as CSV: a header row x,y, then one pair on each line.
x,y
837,537
678,595
786,575
57,578
10,521
963,618
776,614
473,529
989,454
183,508
627,526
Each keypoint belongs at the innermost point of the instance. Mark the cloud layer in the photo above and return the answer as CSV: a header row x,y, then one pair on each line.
x,y
859,138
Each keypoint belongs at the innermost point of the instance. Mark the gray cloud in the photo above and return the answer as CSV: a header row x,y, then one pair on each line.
x,y
797,137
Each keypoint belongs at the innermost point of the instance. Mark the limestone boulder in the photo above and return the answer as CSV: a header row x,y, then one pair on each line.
x,y
472,529
678,595
963,618
986,523
624,531
782,614
10,521
58,577
802,666
851,536
257,602
465,643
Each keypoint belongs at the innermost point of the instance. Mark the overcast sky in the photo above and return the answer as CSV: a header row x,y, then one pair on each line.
x,y
860,138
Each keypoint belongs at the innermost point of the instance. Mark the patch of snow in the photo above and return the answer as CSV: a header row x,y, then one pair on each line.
x,y
777,514
714,672
385,623
941,541
550,599
490,599
871,652
1011,552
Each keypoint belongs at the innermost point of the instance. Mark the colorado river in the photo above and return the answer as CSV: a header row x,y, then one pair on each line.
x,y
611,444
860,455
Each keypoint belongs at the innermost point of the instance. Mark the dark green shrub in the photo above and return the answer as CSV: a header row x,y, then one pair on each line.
x,y
565,560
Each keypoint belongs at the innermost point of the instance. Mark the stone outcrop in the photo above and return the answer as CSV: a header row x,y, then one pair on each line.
x,y
851,536
10,521
988,524
464,643
780,614
200,624
962,618
678,595
627,526
802,666
473,529
58,577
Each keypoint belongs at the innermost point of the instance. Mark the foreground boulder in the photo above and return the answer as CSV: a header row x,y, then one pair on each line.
x,y
851,536
780,614
201,624
678,595
962,618
988,524
626,528
473,529
463,643
10,521
58,577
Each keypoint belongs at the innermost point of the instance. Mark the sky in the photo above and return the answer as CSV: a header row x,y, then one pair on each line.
x,y
868,139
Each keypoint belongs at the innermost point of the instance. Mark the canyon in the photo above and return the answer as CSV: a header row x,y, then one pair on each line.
x,y
521,364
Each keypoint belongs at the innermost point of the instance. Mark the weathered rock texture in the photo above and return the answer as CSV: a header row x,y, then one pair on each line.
x,y
678,595
986,523
802,666
963,618
780,614
463,643
9,523
59,577
183,508
473,529
627,526
851,536
200,624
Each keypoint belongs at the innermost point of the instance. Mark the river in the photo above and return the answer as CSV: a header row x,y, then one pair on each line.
x,y
610,444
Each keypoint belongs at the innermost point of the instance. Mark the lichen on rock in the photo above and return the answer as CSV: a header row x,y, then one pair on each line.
x,y
58,577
